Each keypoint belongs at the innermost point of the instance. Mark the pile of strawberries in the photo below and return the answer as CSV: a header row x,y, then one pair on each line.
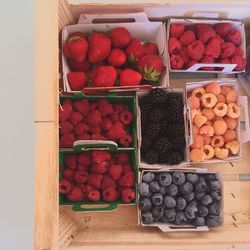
x,y
99,120
205,43
107,60
97,176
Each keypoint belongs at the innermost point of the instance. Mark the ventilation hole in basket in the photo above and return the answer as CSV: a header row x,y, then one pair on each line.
x,y
235,225
233,195
234,218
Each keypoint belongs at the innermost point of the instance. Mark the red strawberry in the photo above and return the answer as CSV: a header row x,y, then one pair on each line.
x,y
64,112
81,128
130,77
77,80
103,76
81,176
99,156
127,194
106,124
85,159
68,174
126,140
70,161
117,57
134,51
116,132
82,106
222,29
151,67
67,140
64,186
94,118
100,167
65,127
75,117
99,47
122,158
176,29
126,117
94,195
94,180
120,37
107,182
75,195
110,195
150,48
115,171
79,66
76,48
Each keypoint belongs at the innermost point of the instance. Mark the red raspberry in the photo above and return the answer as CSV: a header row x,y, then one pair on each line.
x,y
114,117
81,176
97,136
68,102
85,159
224,60
234,36
176,62
60,168
222,29
106,124
126,117
126,140
122,158
93,106
81,128
67,140
115,171
127,194
150,48
207,59
110,195
89,188
68,174
107,182
191,27
127,168
94,118
105,107
65,112
119,107
240,61
79,66
82,106
94,180
83,188
213,48
65,127
99,156
75,195
238,52
82,167
173,45
70,161
95,130
196,50
187,38
176,29
228,50
64,186
204,32
191,63
83,137
94,196
100,167
116,132
127,180
112,161
75,117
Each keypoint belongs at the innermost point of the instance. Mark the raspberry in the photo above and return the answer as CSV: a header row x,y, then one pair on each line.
x,y
115,171
83,137
240,61
110,195
127,180
100,167
222,29
176,29
94,180
116,132
82,106
64,186
204,32
126,140
122,158
176,62
94,195
95,130
93,106
65,127
173,45
65,112
82,167
81,128
97,137
127,168
75,195
126,117
81,176
99,156
207,59
114,117
106,124
94,118
224,60
107,182
196,50
105,107
128,194
234,36
183,54
67,140
119,107
187,38
228,50
70,161
85,159
75,117
238,52
68,174
191,63
89,188
213,48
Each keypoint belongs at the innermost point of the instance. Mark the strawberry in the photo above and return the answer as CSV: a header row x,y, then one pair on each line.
x,y
151,67
99,47
120,37
134,51
103,76
130,77
76,48
77,80
79,66
150,48
117,57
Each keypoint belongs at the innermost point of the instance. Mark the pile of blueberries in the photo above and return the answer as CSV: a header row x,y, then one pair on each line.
x,y
180,198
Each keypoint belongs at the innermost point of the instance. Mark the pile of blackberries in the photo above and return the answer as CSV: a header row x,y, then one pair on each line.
x,y
180,198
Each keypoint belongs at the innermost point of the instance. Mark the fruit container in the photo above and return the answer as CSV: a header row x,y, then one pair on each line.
x,y
188,136
225,68
242,129
112,98
142,29
96,205
167,227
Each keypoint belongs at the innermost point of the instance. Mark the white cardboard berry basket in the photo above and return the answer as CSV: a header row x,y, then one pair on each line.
x,y
188,133
223,68
243,128
171,228
142,29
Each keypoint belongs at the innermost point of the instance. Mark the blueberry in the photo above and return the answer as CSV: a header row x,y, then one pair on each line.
x,y
163,190
186,188
143,189
154,186
169,215
191,211
148,177
180,218
215,185
169,202
158,212
147,217
180,203
214,208
200,186
198,196
206,200
157,199
213,221
216,195
199,221
165,179
193,203
202,178
172,190
149,194
178,178
145,204
189,197
210,177
202,211
192,178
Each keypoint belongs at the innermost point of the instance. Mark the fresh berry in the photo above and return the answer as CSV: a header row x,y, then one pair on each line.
x,y
79,66
174,45
207,59
214,208
206,200
126,117
100,167
216,195
128,194
115,171
186,188
228,49
117,58
148,177
158,212
130,77
122,158
82,167
143,189
240,61
200,186
202,211
165,179
77,80
126,168
180,218
180,204
234,36
215,185
114,117
75,194
178,178
103,76
204,32
64,186
199,221
80,176
127,180
116,132
154,187
238,52
83,137
191,63
119,107
94,195
120,37
150,48
199,195
67,140
213,221
105,107
222,29
94,180
192,178
70,161
99,155
64,112
195,50
110,195
82,106
176,62
126,140
184,55
147,217
170,215
176,29
157,96
106,124
145,204
190,212
75,117
157,199
85,159
187,38
151,157
107,182
94,118
81,128
169,202
134,51
95,130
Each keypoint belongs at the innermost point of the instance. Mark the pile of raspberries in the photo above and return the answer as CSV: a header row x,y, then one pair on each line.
x,y
96,176
99,120
205,43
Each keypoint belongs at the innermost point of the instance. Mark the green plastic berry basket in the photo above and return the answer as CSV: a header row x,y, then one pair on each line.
x,y
113,98
87,206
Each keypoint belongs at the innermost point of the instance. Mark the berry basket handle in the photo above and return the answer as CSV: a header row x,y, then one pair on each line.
x,y
173,228
244,123
190,123
225,68
94,208
206,14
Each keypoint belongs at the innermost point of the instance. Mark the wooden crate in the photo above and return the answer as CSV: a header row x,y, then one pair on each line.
x,y
65,229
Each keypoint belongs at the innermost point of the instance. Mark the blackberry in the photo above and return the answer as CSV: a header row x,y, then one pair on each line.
x,y
175,99
164,127
150,157
163,157
145,104
174,158
146,143
156,115
153,130
174,130
158,96
162,145
178,142
175,114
